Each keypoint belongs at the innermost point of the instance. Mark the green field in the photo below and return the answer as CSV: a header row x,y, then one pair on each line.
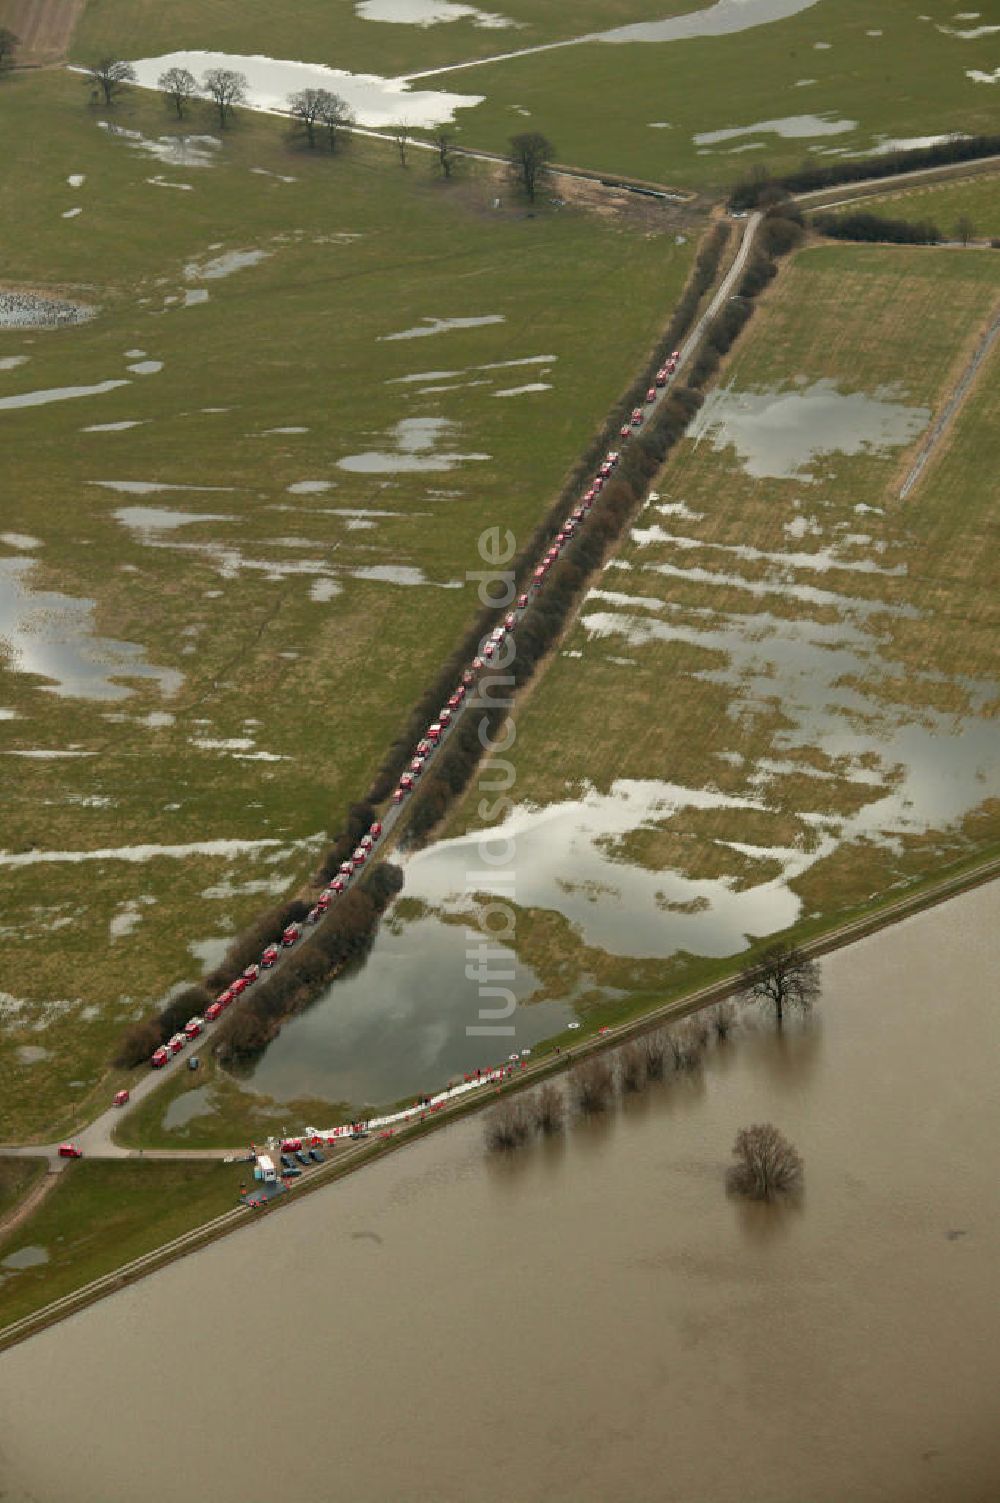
x,y
285,621
975,198
780,700
842,76
103,1215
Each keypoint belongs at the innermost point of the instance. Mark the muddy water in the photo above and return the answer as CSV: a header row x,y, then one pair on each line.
x,y
594,1320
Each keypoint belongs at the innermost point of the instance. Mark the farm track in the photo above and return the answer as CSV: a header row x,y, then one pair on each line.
x,y
45,28
960,391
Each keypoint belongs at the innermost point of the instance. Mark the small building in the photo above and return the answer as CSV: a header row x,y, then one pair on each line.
x,y
264,1169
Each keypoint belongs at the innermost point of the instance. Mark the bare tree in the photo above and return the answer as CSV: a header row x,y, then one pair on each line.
x,y
783,977
110,75
548,1106
530,155
337,115
9,43
592,1082
654,1047
306,107
179,85
766,1163
632,1067
723,1019
965,230
686,1044
444,145
226,88
400,133
508,1125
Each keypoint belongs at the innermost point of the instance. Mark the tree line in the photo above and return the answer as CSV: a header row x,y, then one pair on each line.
x,y
749,192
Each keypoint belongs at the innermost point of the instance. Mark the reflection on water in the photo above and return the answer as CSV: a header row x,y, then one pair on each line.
x,y
397,1024
176,151
598,1303
51,635
779,434
184,1108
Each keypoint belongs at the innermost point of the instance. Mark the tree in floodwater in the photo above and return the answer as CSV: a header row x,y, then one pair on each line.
x,y
337,115
722,1019
530,155
110,75
654,1048
766,1164
548,1107
9,43
508,1126
783,977
592,1082
180,86
226,88
632,1067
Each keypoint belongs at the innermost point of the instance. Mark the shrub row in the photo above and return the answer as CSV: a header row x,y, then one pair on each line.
x,y
346,934
872,227
810,176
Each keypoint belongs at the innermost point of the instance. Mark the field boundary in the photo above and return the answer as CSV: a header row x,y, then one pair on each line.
x,y
956,399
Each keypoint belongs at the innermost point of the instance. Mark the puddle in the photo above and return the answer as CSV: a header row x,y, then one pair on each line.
x,y
28,310
174,151
966,33
375,101
309,487
428,13
322,590
910,143
779,434
147,522
70,213
978,76
76,179
397,1024
520,391
400,574
49,756
115,427
224,265
195,295
294,429
51,635
210,952
428,326
32,1054
127,918
58,393
145,367
163,182
281,177
721,19
11,362
415,450
25,1257
21,540
140,853
790,126
150,487
182,1110
821,560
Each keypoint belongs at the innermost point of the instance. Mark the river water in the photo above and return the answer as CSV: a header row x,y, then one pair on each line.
x,y
593,1319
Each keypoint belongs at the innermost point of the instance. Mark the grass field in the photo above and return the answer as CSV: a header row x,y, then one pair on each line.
x,y
977,198
781,699
280,616
841,76
102,1215
16,1178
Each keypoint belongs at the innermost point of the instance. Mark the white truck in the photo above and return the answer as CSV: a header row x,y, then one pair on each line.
x,y
264,1169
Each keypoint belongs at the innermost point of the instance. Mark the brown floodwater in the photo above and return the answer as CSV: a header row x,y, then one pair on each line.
x,y
593,1319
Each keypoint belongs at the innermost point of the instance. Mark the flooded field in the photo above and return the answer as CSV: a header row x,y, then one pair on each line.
x,y
597,1302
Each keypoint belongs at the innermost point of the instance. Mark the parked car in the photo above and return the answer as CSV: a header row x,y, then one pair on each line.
x,y
316,1156
346,867
224,998
366,842
406,781
292,1172
398,795
661,376
651,394
269,956
290,935
302,1157
468,677
624,432
434,734
478,664
286,1162
314,915
121,1097
176,1043
417,766
70,1151
360,856
239,986
454,702
445,716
